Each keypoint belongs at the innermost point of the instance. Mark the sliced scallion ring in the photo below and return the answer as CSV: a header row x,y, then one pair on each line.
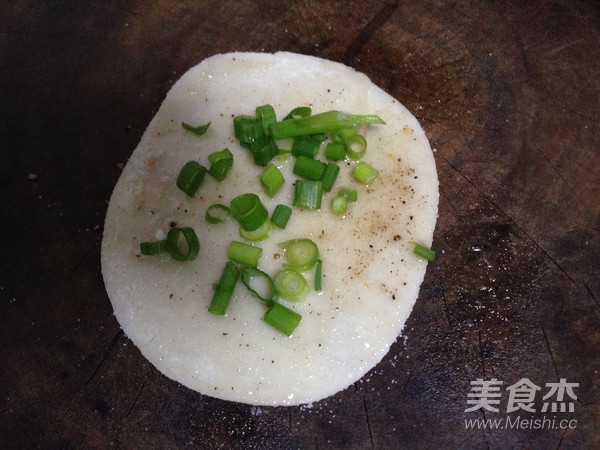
x,y
260,234
258,283
424,251
182,244
190,177
365,173
153,248
356,146
224,289
249,211
245,254
290,285
300,254
198,131
282,318
217,213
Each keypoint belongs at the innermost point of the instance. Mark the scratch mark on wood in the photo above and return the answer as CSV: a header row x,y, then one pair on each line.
x,y
139,393
108,350
367,32
481,353
591,294
367,418
562,436
550,352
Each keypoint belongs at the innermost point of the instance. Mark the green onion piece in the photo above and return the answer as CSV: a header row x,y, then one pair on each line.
x,y
300,254
199,130
283,154
185,249
220,164
300,111
282,318
339,205
153,248
356,146
271,179
217,213
330,174
266,115
349,193
365,173
290,285
258,283
224,289
308,194
249,211
281,215
309,168
321,123
305,146
190,177
341,136
260,234
335,152
245,254
423,251
263,150
247,129
318,275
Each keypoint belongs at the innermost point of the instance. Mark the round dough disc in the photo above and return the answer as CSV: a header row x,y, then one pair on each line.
x,y
371,278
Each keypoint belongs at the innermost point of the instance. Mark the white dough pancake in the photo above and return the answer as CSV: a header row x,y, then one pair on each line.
x,y
371,277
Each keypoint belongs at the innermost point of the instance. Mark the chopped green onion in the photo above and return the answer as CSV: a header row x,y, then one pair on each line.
x,y
153,248
282,318
271,179
309,168
263,150
260,234
339,205
220,164
308,194
224,289
247,129
423,251
199,130
290,285
259,284
305,146
365,173
349,193
341,136
329,176
249,211
321,137
300,254
320,123
190,177
182,250
356,146
318,275
245,254
300,111
335,152
283,154
281,215
266,115
217,213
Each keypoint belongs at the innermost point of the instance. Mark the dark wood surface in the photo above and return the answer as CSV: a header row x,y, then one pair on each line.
x,y
509,95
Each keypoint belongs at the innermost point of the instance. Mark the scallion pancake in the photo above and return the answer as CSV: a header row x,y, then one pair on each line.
x,y
371,278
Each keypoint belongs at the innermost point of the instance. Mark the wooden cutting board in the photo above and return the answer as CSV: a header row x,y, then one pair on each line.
x,y
509,95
